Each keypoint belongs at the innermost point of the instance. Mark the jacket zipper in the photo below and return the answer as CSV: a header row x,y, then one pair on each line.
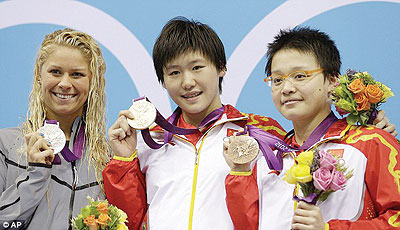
x,y
196,161
195,174
72,198
196,168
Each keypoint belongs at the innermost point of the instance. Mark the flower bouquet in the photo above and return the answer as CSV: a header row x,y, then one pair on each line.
x,y
100,215
319,174
359,95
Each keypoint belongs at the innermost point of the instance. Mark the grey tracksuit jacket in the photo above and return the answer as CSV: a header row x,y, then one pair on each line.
x,y
41,196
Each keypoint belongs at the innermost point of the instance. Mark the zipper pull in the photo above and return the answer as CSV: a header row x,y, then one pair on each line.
x,y
75,181
76,175
196,161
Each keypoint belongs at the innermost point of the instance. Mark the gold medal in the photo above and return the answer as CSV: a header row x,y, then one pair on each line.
x,y
242,149
144,112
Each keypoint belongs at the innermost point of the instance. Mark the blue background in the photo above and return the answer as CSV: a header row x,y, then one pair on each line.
x,y
366,33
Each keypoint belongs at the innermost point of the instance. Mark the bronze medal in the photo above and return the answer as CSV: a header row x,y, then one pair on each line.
x,y
242,149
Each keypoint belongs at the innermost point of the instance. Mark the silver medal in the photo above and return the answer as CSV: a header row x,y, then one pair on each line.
x,y
145,114
242,149
54,135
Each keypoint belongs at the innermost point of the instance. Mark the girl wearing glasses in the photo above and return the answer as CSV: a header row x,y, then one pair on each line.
x,y
303,68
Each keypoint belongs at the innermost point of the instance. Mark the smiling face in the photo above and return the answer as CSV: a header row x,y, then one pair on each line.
x,y
192,82
304,103
65,82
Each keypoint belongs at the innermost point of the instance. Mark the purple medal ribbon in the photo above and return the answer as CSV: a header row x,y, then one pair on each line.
x,y
170,127
173,119
77,148
372,117
319,131
267,141
311,199
315,136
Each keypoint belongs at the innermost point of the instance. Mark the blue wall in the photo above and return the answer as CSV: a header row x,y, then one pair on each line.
x,y
366,32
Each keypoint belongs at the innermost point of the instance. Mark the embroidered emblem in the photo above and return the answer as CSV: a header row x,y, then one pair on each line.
x,y
230,132
336,152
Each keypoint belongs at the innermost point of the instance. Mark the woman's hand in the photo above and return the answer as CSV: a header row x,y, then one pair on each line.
x,y
38,150
122,137
307,216
382,122
234,167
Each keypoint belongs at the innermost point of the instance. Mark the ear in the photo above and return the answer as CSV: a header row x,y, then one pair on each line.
x,y
333,82
222,72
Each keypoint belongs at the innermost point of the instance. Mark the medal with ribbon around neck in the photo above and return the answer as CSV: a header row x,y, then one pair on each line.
x,y
145,114
52,133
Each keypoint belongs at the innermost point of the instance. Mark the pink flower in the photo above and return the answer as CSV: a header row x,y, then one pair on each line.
x,y
327,160
338,180
322,178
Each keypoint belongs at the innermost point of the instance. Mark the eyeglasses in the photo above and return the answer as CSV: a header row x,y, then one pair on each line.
x,y
297,77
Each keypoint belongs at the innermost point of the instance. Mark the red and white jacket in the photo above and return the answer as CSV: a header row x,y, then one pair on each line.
x,y
371,199
182,183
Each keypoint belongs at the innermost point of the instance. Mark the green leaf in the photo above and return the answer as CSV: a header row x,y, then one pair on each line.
x,y
307,188
346,105
79,224
352,119
85,211
324,195
364,117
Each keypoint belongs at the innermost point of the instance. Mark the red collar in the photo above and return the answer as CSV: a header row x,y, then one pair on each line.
x,y
337,128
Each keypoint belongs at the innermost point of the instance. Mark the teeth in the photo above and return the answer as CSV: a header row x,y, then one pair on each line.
x,y
289,101
63,96
192,95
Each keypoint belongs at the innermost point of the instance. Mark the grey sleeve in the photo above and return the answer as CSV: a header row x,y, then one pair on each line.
x,y
20,200
3,171
21,189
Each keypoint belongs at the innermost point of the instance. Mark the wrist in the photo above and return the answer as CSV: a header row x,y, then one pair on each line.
x,y
234,173
241,168
128,158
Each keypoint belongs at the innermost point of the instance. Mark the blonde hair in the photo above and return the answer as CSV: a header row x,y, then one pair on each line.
x,y
94,108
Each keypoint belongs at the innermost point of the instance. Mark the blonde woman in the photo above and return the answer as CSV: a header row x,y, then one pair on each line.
x,y
41,187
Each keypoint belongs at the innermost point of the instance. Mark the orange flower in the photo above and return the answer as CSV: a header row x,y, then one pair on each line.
x,y
362,102
102,207
356,86
103,218
90,220
373,93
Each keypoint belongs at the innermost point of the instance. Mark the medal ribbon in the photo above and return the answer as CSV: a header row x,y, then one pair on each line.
x,y
311,199
170,127
77,148
267,141
315,136
319,131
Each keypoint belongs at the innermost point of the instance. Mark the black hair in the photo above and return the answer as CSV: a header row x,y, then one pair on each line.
x,y
181,35
307,40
